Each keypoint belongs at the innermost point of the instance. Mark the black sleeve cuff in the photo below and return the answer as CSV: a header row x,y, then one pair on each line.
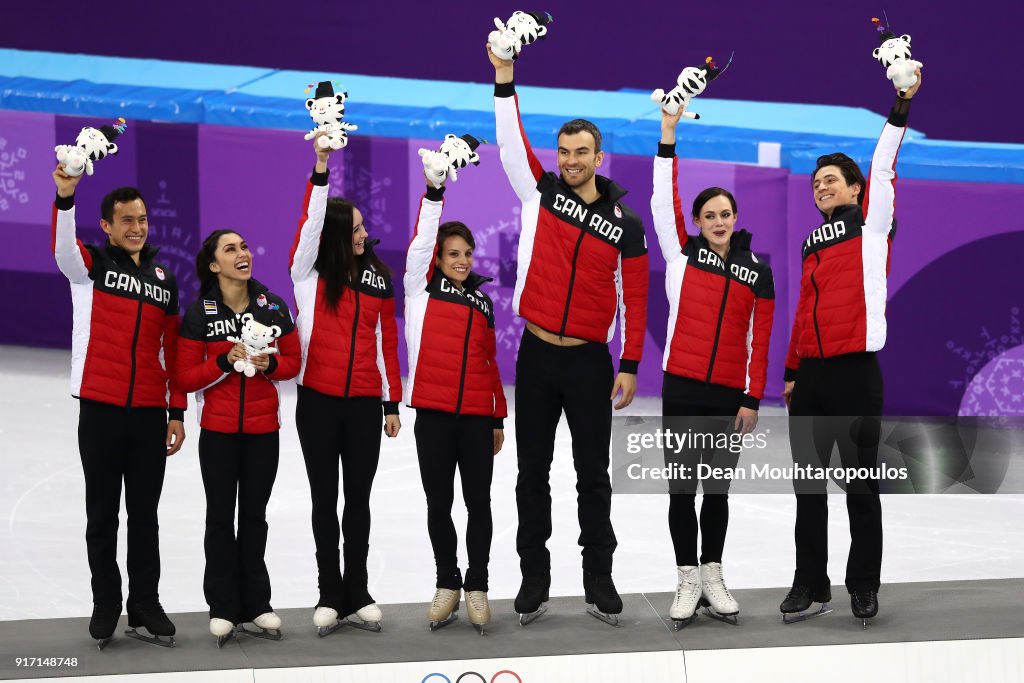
x,y
505,89
223,363
629,366
319,178
271,364
176,414
435,194
64,203
899,112
498,423
391,407
666,151
749,401
790,375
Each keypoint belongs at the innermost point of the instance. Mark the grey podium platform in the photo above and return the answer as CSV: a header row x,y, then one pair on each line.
x,y
911,612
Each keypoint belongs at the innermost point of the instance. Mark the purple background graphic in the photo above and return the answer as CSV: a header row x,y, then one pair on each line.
x,y
954,306
785,52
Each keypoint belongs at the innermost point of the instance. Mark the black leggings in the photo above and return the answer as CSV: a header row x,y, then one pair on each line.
x,y
444,441
831,400
243,467
578,380
118,443
682,397
350,429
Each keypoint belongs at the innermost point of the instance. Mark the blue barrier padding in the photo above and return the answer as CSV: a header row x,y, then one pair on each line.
x,y
55,66
184,92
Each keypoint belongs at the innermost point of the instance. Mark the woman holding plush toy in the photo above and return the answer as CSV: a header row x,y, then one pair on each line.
x,y
349,376
455,388
721,302
238,407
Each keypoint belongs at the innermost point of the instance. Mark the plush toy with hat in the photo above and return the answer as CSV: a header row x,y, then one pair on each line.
x,y
522,28
456,152
894,54
327,108
92,144
691,82
257,339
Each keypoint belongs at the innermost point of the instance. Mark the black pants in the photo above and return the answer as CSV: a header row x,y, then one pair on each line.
x,y
122,443
837,401
242,467
346,429
694,402
444,441
578,380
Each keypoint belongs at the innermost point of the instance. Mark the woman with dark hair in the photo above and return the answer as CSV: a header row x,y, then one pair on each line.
x,y
350,372
833,380
721,301
238,445
456,390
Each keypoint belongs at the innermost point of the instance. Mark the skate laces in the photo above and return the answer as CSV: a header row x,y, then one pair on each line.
x,y
797,592
441,596
715,582
688,581
477,599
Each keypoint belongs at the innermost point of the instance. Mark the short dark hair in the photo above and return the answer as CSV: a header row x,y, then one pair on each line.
x,y
207,255
847,166
454,229
581,126
118,196
710,193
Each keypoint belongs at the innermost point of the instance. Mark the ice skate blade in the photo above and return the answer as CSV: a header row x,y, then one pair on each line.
x,y
610,619
223,639
529,617
825,608
864,623
324,631
102,643
435,625
680,624
154,640
265,633
731,619
481,629
373,626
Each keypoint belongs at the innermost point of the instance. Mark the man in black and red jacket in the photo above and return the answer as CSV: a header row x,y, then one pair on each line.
x,y
582,256
124,344
833,380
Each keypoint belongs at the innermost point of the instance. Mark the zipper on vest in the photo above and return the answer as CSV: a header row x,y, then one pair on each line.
x,y
817,295
718,328
572,280
352,348
465,359
135,343
241,404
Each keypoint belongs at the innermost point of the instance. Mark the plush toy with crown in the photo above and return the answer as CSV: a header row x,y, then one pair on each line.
x,y
522,28
456,152
92,144
894,54
257,339
327,110
691,82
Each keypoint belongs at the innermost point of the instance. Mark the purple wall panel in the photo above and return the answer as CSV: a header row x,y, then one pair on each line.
x,y
816,52
26,161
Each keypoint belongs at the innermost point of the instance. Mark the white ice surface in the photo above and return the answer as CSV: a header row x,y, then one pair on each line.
x,y
44,572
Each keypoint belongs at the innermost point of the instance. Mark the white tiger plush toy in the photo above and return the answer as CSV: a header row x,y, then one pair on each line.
x,y
327,109
92,144
455,153
692,81
257,339
894,54
522,28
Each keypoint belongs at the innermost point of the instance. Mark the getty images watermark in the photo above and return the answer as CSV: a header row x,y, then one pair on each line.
x,y
818,455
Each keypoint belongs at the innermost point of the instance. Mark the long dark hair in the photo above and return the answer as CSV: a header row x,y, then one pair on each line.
x,y
207,255
710,193
336,263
